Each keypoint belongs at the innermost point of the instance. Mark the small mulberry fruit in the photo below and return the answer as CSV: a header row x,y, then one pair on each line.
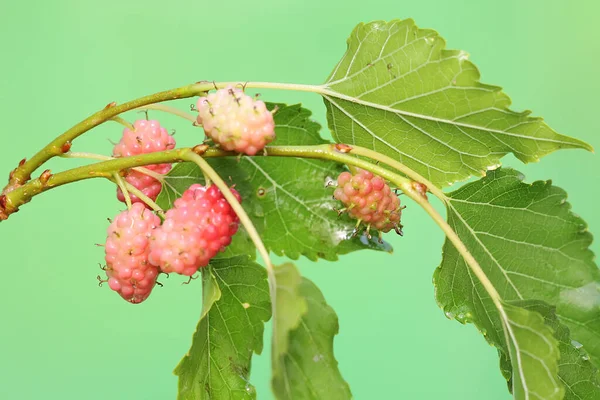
x,y
236,121
147,137
127,248
369,199
200,224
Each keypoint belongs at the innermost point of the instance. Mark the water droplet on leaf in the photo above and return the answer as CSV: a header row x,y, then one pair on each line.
x,y
330,182
576,344
258,211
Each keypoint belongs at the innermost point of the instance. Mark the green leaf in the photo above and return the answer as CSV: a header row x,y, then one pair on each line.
x,y
290,306
231,329
577,373
397,90
304,366
286,198
534,355
181,177
211,292
530,246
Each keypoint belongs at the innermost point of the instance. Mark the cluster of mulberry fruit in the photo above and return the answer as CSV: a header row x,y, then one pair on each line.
x,y
201,223
138,247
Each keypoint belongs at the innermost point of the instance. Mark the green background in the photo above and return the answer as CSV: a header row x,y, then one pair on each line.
x,y
62,337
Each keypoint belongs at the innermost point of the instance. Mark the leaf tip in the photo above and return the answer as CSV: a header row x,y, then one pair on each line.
x,y
589,148
580,144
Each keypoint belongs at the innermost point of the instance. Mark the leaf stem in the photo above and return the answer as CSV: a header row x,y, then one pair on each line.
x,y
211,174
169,110
471,262
91,156
474,266
279,86
207,180
123,188
235,204
332,152
362,151
455,239
140,195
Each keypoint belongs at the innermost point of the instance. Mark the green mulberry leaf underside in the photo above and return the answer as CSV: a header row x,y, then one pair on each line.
x,y
534,355
531,247
217,365
304,365
398,91
576,372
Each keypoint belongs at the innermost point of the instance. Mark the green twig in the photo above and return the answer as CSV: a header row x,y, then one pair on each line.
x,y
56,146
61,144
11,201
92,156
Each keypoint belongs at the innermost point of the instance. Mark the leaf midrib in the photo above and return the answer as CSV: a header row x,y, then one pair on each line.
x,y
327,92
485,249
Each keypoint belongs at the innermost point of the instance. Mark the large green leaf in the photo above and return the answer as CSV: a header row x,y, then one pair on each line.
x,y
577,373
530,246
286,198
534,355
399,91
236,306
304,366
290,306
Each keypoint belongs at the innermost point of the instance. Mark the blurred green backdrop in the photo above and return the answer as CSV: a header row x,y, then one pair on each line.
x,y
62,337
